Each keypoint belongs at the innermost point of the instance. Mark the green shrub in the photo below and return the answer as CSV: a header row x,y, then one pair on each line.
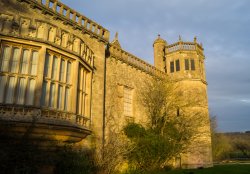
x,y
151,150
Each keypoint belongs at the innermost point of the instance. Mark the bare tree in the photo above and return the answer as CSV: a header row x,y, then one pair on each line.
x,y
174,117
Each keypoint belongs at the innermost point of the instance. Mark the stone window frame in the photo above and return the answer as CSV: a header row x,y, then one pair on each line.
x,y
128,101
23,84
83,91
57,91
192,62
177,65
187,67
171,66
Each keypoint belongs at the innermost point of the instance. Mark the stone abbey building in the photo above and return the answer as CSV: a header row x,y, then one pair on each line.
x,y
59,73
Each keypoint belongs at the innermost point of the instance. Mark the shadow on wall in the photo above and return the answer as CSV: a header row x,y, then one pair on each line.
x,y
26,156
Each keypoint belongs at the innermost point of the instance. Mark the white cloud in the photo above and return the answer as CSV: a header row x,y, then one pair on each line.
x,y
245,101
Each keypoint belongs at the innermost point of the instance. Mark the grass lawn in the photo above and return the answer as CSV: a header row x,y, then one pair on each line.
x,y
219,169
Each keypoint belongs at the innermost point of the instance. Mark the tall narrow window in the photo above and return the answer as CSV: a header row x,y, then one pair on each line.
x,y
55,68
68,72
52,95
127,98
80,91
15,59
5,58
44,92
172,66
79,103
186,64
177,64
59,98
178,112
30,92
192,64
34,60
66,101
62,70
84,92
24,62
47,65
10,90
21,91
3,80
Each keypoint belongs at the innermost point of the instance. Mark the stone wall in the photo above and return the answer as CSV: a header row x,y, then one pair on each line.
x,y
115,77
52,26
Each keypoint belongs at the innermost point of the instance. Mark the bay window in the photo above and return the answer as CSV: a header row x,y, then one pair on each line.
x,y
56,89
18,72
83,91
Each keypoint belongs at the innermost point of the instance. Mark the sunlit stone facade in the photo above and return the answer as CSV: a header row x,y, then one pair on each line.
x,y
60,74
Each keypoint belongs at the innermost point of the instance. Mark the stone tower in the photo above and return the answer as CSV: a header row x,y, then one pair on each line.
x,y
184,62
159,53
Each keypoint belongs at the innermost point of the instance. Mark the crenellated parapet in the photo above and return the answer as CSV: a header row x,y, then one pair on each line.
x,y
134,61
181,60
185,46
42,31
70,17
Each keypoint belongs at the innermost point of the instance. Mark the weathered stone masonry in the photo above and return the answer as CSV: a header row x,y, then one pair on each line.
x,y
59,68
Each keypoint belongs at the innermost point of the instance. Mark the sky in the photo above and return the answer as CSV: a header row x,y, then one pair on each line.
x,y
222,26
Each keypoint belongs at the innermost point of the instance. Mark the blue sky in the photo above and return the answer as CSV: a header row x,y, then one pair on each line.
x,y
223,26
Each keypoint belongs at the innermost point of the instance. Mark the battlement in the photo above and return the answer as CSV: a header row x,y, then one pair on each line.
x,y
181,46
71,17
134,61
